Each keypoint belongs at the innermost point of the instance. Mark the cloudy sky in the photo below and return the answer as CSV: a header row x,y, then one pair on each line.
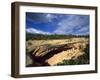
x,y
46,23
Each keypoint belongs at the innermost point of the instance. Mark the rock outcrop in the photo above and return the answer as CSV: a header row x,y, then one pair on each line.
x,y
53,54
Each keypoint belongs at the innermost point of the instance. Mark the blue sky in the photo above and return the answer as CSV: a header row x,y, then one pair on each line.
x,y
49,23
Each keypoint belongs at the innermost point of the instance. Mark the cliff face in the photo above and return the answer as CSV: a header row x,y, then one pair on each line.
x,y
52,52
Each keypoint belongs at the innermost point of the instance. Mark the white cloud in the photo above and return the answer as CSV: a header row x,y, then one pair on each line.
x,y
84,29
67,25
35,31
50,17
